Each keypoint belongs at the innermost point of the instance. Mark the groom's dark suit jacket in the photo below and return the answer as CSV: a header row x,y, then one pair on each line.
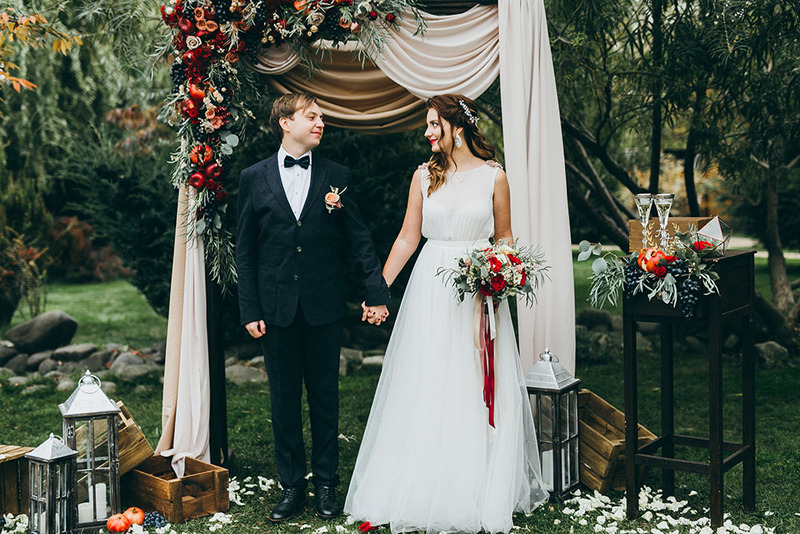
x,y
282,261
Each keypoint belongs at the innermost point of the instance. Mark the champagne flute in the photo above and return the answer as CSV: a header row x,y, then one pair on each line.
x,y
643,203
663,202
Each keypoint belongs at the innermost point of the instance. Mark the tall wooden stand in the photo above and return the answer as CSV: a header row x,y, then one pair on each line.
x,y
218,415
734,302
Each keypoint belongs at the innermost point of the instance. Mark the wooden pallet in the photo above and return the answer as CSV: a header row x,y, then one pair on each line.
x,y
14,479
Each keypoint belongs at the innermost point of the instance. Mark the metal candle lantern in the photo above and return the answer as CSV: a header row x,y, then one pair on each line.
x,y
52,488
556,419
90,427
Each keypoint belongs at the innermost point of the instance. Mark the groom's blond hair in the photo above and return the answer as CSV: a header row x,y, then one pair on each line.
x,y
286,106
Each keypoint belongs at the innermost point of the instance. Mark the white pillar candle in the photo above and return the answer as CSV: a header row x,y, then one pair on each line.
x,y
100,499
85,514
547,469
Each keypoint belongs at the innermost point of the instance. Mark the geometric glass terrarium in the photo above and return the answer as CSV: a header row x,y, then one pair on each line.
x,y
555,417
91,429
716,232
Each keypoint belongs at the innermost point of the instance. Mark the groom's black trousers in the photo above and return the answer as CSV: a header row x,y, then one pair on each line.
x,y
297,354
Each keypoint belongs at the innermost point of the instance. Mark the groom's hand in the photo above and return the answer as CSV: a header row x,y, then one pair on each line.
x,y
374,314
256,328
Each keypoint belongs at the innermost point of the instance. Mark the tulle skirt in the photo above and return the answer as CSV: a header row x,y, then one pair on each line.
x,y
429,459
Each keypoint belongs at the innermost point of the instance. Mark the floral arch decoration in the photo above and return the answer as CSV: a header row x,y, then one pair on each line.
x,y
209,38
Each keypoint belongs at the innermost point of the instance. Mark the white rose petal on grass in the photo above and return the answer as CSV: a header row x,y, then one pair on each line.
x,y
304,526
769,513
340,528
265,484
556,521
321,530
756,529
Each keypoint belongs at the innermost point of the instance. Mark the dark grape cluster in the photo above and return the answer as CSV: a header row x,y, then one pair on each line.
x,y
678,269
632,274
223,10
688,296
178,74
154,519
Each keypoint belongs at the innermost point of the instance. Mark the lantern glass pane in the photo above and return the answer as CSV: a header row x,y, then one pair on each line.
x,y
101,444
575,471
564,415
566,465
101,496
545,421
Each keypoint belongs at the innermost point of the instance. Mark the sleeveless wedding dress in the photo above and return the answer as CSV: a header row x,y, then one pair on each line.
x,y
429,460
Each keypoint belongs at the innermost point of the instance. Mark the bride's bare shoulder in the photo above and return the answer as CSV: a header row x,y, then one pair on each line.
x,y
493,163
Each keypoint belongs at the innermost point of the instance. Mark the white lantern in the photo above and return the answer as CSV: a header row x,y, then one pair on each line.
x,y
556,419
91,428
52,488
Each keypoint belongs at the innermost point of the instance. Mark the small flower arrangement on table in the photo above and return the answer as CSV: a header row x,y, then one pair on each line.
x,y
676,276
493,274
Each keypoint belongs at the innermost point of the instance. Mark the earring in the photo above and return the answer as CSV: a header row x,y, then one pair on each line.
x,y
458,141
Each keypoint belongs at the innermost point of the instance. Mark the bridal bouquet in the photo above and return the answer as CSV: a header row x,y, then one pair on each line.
x,y
499,271
492,274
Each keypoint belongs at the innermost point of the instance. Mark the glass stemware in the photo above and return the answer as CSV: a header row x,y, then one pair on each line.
x,y
663,202
643,203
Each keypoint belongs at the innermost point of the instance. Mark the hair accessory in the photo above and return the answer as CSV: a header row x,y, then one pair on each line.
x,y
473,119
459,142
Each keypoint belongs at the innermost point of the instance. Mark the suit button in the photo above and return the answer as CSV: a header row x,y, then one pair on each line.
x,y
299,223
299,249
296,277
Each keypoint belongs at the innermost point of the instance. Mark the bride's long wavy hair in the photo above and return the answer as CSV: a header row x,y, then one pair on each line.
x,y
449,109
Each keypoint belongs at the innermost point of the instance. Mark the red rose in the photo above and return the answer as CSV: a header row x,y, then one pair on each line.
x,y
498,282
484,290
389,18
700,245
211,185
660,271
523,279
671,259
495,264
513,260
222,196
372,15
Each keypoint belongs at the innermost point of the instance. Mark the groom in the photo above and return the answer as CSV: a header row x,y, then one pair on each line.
x,y
296,211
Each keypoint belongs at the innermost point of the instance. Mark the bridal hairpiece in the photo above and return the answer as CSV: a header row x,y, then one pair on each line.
x,y
473,119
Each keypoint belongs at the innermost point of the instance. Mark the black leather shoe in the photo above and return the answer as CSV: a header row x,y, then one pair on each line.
x,y
325,503
291,502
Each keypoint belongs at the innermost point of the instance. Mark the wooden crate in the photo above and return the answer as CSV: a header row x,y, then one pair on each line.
x,y
602,440
13,479
680,223
133,446
202,491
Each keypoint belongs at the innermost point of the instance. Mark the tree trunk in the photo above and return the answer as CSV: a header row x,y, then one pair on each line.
x,y
691,152
658,63
779,280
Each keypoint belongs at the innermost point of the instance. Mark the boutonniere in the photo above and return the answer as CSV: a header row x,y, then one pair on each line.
x,y
333,199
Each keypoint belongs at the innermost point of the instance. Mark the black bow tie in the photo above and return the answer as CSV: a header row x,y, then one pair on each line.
x,y
304,162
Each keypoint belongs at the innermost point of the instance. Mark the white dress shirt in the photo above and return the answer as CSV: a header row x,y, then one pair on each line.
x,y
296,181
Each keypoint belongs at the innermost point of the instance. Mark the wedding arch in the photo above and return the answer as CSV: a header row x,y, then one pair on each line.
x,y
463,52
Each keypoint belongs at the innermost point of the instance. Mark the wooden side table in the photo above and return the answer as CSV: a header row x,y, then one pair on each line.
x,y
734,302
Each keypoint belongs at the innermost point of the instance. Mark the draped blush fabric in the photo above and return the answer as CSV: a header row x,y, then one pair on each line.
x,y
457,53
537,176
186,397
349,95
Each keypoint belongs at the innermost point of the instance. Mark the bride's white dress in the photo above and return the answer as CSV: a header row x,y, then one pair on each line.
x,y
429,459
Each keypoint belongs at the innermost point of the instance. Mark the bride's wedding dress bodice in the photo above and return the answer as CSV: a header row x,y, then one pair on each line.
x,y
462,208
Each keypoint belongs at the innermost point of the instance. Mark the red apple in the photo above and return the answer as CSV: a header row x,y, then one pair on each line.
x,y
197,179
213,170
196,93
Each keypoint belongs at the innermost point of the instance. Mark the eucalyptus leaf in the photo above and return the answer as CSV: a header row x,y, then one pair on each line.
x,y
201,226
599,265
583,246
232,140
226,149
584,255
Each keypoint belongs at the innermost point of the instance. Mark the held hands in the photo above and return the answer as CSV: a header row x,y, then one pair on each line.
x,y
374,314
256,328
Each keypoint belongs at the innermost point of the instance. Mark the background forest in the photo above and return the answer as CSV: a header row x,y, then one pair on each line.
x,y
700,98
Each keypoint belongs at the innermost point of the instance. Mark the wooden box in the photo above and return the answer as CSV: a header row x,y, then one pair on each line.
x,y
13,479
152,485
674,223
602,443
133,446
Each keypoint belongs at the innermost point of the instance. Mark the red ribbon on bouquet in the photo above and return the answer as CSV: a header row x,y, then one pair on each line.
x,y
485,342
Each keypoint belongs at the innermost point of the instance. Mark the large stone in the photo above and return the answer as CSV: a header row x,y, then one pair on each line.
x,y
66,385
7,351
74,353
772,355
18,381
18,364
36,359
239,374
373,361
47,366
134,372
95,362
124,360
47,331
594,319
159,354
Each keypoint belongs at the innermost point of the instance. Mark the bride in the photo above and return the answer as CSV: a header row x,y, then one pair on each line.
x,y
429,459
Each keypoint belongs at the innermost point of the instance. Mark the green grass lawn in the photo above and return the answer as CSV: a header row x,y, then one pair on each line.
x,y
116,312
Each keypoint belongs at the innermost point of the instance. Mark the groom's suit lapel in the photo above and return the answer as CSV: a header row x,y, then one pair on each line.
x,y
273,178
318,172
